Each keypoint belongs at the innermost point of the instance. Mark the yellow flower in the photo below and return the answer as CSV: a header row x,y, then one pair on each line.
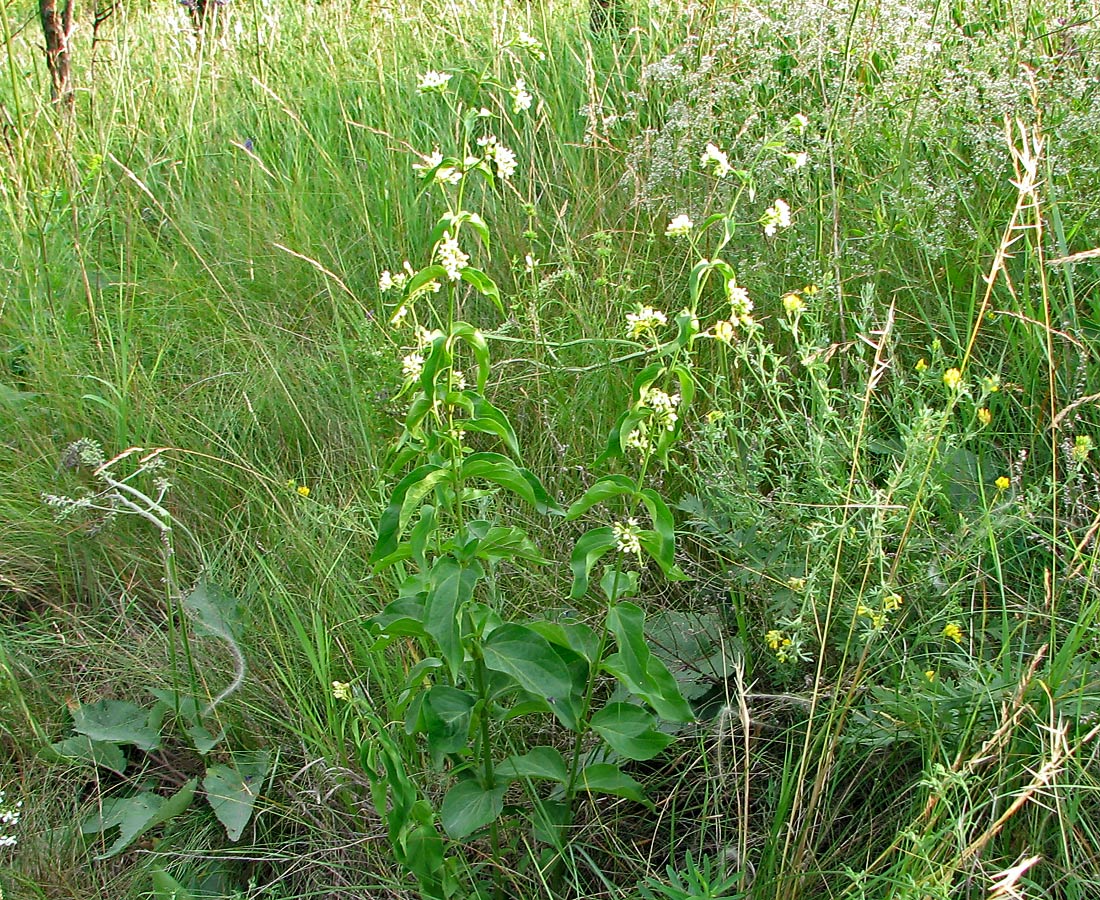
x,y
793,304
930,675
922,365
1003,484
303,491
1082,447
953,632
992,384
953,379
891,602
798,585
985,416
774,639
810,289
341,690
723,331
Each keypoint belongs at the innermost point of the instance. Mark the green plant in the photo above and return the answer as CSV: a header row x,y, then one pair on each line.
x,y
105,730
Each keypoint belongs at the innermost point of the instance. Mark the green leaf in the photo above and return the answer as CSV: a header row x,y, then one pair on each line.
x,y
136,814
614,448
500,470
452,586
617,584
202,740
469,807
406,497
166,887
607,488
487,418
473,338
215,611
117,721
528,657
607,778
439,358
587,552
483,284
665,527
630,730
446,713
636,667
231,791
82,749
540,762
423,277
508,542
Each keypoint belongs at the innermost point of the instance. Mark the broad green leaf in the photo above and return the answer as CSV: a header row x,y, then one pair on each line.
x,y
617,584
452,586
82,749
607,488
488,418
528,657
117,721
509,542
231,791
425,276
636,667
614,448
166,887
469,807
483,284
540,762
473,338
657,550
406,497
587,552
664,526
607,778
644,379
439,358
500,470
550,821
630,730
202,740
446,712
215,611
574,636
402,617
136,814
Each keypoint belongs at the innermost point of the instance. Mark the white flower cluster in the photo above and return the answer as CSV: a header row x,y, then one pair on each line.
x,y
531,44
451,257
503,159
663,406
443,174
9,818
395,281
412,366
433,83
679,227
645,319
740,304
521,97
627,536
776,216
721,162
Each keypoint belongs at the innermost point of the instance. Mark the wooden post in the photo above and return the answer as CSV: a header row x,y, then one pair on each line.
x,y
57,27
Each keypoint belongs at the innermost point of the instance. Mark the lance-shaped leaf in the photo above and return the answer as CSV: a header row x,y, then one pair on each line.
x,y
500,470
406,498
528,658
637,668
490,420
664,527
589,549
424,277
451,587
475,340
606,488
483,284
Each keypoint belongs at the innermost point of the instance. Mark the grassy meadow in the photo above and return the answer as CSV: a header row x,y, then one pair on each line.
x,y
451,452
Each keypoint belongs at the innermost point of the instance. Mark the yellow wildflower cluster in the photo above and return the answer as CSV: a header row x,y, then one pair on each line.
x,y
879,618
952,631
779,643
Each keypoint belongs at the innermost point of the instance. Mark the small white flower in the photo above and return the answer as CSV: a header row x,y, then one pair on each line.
x,y
521,99
412,365
721,162
740,303
797,160
627,536
679,227
433,82
799,123
530,264
385,282
503,159
451,257
663,406
531,44
646,318
638,439
776,216
458,380
399,315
